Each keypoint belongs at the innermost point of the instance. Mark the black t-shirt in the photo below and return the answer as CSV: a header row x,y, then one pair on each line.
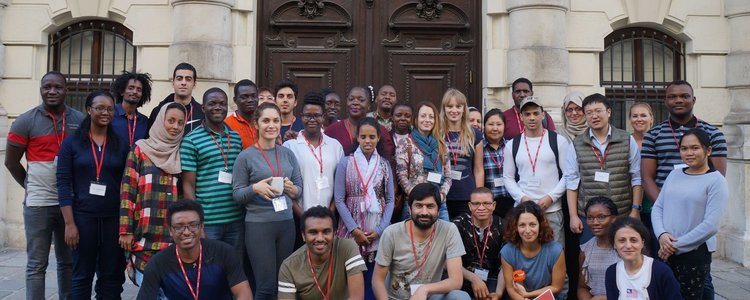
x,y
220,272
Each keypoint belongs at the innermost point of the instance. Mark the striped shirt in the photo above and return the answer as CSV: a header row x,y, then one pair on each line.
x,y
661,144
296,281
207,153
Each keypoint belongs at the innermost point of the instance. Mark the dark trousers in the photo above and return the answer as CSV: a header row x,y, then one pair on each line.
x,y
572,251
503,205
457,208
98,252
691,269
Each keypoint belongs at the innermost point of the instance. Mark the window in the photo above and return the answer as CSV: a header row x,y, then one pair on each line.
x,y
91,54
636,65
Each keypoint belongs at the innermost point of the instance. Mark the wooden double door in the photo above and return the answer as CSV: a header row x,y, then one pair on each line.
x,y
420,47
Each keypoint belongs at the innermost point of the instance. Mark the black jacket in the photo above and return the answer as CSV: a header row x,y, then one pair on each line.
x,y
194,109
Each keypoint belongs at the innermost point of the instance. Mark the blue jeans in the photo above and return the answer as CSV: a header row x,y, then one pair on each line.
x,y
452,295
232,233
99,253
43,225
442,212
586,233
139,282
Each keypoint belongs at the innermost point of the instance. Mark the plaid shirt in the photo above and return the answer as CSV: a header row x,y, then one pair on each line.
x,y
146,192
492,170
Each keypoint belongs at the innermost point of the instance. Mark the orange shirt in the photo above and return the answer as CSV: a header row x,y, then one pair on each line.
x,y
247,131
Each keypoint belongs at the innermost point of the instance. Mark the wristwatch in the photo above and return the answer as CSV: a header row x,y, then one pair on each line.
x,y
636,206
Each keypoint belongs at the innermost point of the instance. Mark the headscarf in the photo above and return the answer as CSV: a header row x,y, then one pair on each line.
x,y
572,130
161,148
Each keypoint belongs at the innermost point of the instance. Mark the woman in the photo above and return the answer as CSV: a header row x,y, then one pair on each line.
x,y
422,157
687,214
597,254
531,248
363,192
494,145
89,168
266,178
465,151
574,124
402,124
641,119
357,105
637,276
149,185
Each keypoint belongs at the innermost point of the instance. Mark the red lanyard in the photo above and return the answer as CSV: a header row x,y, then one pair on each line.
x,y
98,162
484,248
59,137
602,159
521,128
225,156
131,131
361,179
274,172
674,134
454,154
494,159
184,274
320,151
349,129
536,158
330,275
414,249
426,156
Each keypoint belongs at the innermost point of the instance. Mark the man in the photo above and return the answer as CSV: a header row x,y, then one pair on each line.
x,y
131,91
305,274
521,88
207,156
241,121
384,101
333,106
660,153
531,170
415,252
286,99
193,267
184,78
475,118
265,94
604,162
38,134
482,237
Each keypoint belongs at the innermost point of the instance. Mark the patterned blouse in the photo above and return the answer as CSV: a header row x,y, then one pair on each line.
x,y
146,192
410,170
595,265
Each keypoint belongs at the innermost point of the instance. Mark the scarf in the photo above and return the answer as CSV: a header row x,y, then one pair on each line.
x,y
369,169
429,147
623,283
161,148
572,130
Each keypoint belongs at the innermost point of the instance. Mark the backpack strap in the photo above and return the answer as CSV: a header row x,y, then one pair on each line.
x,y
516,144
553,146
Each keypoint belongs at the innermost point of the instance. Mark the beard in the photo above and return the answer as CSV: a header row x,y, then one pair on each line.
x,y
423,225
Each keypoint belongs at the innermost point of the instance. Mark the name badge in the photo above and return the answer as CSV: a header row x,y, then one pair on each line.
x,y
534,182
498,182
414,288
362,206
482,273
97,188
456,175
680,166
601,176
225,177
322,182
435,177
279,204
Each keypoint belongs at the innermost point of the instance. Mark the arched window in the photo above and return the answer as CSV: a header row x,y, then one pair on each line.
x,y
636,65
91,54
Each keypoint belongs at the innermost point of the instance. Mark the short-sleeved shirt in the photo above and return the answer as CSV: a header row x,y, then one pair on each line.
x,y
538,268
199,153
127,131
296,281
475,239
329,152
461,189
219,273
395,253
661,144
35,131
247,131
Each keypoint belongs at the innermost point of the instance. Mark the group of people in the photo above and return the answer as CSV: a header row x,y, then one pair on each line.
x,y
402,201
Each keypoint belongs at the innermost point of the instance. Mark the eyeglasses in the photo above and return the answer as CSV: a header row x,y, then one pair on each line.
x,y
192,227
103,109
598,218
595,112
485,204
312,116
265,98
573,109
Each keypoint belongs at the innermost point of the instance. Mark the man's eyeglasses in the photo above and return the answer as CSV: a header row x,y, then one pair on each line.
x,y
192,227
598,218
265,98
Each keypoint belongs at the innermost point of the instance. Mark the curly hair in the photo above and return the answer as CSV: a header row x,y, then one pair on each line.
x,y
121,83
511,224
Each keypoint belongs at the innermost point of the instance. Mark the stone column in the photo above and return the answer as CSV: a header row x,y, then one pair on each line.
x,y
203,37
537,51
734,237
